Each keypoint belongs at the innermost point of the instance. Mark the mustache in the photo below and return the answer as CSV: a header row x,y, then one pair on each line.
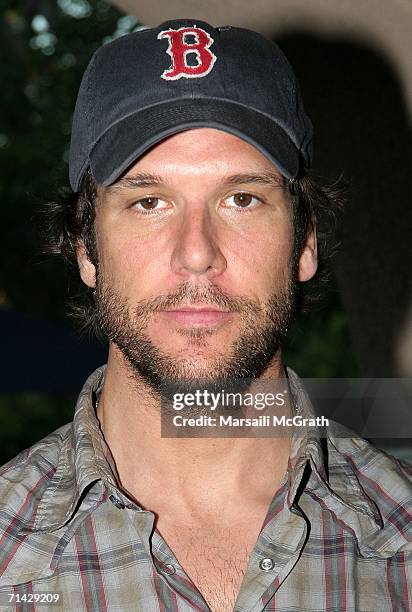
x,y
190,294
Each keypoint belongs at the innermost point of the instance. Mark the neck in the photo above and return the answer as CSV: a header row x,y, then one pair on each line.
x,y
196,470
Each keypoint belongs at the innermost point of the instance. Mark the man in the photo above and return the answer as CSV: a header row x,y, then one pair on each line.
x,y
193,225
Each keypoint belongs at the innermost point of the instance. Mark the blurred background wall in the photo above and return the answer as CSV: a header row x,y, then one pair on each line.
x,y
354,63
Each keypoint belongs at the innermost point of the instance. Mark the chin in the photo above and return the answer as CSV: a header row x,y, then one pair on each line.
x,y
193,341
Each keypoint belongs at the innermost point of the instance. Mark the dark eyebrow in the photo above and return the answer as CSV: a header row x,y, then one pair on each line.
x,y
150,180
142,179
262,178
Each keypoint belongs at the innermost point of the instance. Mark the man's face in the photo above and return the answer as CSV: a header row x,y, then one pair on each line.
x,y
195,275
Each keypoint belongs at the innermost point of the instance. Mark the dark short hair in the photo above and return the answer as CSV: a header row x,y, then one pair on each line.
x,y
70,219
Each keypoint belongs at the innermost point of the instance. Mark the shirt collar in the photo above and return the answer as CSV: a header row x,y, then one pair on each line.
x,y
317,460
85,465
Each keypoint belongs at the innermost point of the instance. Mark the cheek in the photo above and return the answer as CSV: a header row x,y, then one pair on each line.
x,y
265,255
131,263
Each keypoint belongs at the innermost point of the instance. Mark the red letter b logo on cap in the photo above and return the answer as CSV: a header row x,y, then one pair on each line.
x,y
179,50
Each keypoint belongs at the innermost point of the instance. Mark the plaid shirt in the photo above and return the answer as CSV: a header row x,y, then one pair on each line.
x,y
336,538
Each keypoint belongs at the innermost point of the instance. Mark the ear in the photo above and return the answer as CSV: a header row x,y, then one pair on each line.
x,y
86,268
308,260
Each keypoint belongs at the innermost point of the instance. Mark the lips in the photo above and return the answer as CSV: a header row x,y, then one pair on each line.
x,y
197,315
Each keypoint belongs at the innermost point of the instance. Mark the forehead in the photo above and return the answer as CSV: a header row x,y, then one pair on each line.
x,y
203,151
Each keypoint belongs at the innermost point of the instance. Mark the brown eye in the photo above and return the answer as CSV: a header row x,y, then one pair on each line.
x,y
242,200
148,203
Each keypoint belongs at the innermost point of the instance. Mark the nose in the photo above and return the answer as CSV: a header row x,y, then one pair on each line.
x,y
196,252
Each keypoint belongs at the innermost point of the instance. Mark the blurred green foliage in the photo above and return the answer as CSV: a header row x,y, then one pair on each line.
x,y
319,345
26,417
45,46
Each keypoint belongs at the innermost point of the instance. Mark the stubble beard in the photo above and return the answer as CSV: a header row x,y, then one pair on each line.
x,y
262,328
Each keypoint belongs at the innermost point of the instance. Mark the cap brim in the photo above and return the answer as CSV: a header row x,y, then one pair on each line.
x,y
125,141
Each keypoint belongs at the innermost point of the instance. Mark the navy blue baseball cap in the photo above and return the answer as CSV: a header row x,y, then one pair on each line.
x,y
184,74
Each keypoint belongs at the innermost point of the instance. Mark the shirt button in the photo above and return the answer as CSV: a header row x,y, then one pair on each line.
x,y
169,568
116,502
266,564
